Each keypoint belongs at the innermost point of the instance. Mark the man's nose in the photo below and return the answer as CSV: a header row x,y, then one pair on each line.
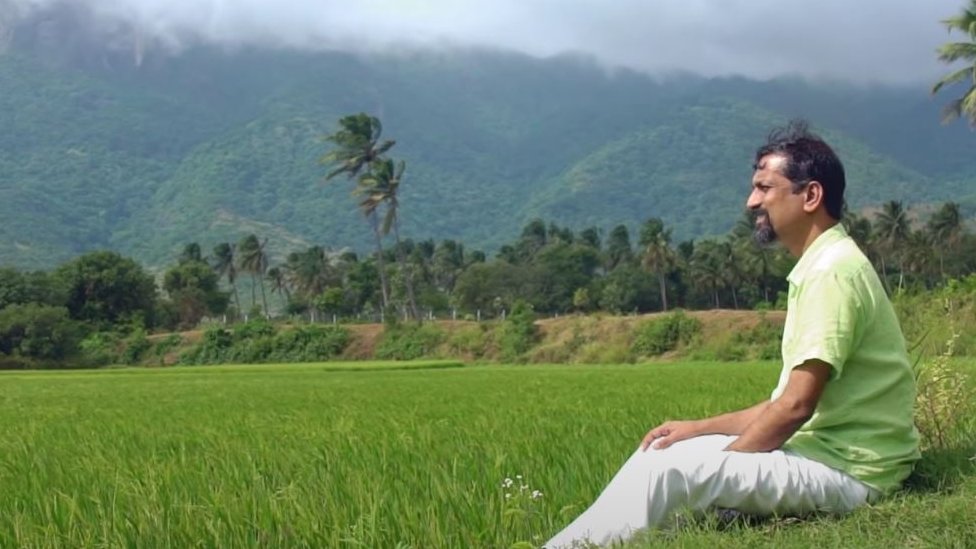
x,y
754,200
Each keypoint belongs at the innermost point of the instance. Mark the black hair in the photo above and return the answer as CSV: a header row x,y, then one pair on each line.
x,y
808,158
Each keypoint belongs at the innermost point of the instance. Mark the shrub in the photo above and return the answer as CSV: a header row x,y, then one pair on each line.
x,y
517,332
100,349
211,350
135,346
309,344
762,341
408,341
259,341
944,402
660,335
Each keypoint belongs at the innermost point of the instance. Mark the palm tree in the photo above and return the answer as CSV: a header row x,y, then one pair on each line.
x,y
965,22
618,248
225,264
279,282
706,268
891,229
254,261
310,272
358,146
381,185
658,256
945,231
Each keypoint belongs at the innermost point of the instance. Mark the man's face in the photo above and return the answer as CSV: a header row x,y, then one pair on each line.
x,y
773,203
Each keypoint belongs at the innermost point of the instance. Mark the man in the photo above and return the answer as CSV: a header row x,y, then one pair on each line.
x,y
837,431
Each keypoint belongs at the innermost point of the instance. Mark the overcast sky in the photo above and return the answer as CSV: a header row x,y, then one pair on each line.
x,y
891,41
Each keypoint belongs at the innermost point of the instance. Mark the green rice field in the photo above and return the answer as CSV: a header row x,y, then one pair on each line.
x,y
379,455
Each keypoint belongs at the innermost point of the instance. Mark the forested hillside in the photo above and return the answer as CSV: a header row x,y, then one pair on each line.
x,y
98,151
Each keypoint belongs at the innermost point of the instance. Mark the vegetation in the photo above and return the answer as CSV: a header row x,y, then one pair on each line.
x,y
381,458
952,52
927,265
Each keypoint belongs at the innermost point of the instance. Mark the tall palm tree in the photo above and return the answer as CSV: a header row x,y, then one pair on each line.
x,y
225,264
945,231
254,261
309,272
891,229
964,106
279,282
357,147
618,248
381,185
658,256
706,268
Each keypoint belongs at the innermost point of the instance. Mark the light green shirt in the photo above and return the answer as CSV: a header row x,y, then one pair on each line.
x,y
838,312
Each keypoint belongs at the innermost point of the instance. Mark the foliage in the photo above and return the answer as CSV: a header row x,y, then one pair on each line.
x,y
408,341
945,402
136,344
517,332
194,290
259,341
660,335
37,335
100,349
105,288
953,52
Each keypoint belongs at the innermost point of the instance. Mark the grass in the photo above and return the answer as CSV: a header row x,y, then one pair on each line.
x,y
307,455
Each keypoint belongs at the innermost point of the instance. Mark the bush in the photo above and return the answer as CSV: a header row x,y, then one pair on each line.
x,y
100,349
309,344
258,341
517,333
470,342
658,336
408,341
37,335
165,346
136,345
762,341
211,350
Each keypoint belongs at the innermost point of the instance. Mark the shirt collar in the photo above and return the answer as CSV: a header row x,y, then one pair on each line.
x,y
809,257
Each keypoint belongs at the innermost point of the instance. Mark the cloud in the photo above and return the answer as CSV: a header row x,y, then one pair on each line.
x,y
890,41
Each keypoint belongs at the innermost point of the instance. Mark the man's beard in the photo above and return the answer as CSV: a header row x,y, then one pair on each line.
x,y
764,234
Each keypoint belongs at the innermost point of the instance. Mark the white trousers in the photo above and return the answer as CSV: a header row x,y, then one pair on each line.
x,y
697,474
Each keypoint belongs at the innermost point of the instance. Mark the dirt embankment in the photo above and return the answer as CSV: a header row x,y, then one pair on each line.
x,y
595,338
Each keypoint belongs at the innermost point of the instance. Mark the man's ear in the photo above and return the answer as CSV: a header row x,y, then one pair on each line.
x,y
813,195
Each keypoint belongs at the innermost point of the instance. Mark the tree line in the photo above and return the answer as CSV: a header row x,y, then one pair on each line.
x,y
556,270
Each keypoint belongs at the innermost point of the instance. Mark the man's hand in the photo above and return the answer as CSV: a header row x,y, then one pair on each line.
x,y
670,432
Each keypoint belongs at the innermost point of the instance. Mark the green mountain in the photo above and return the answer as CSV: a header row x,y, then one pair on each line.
x,y
99,152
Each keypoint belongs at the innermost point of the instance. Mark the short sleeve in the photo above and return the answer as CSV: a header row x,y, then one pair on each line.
x,y
827,312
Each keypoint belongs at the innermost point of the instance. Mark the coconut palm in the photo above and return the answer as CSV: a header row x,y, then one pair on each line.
x,y
381,185
357,147
945,231
310,272
891,229
658,256
253,260
707,268
279,282
964,106
225,265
